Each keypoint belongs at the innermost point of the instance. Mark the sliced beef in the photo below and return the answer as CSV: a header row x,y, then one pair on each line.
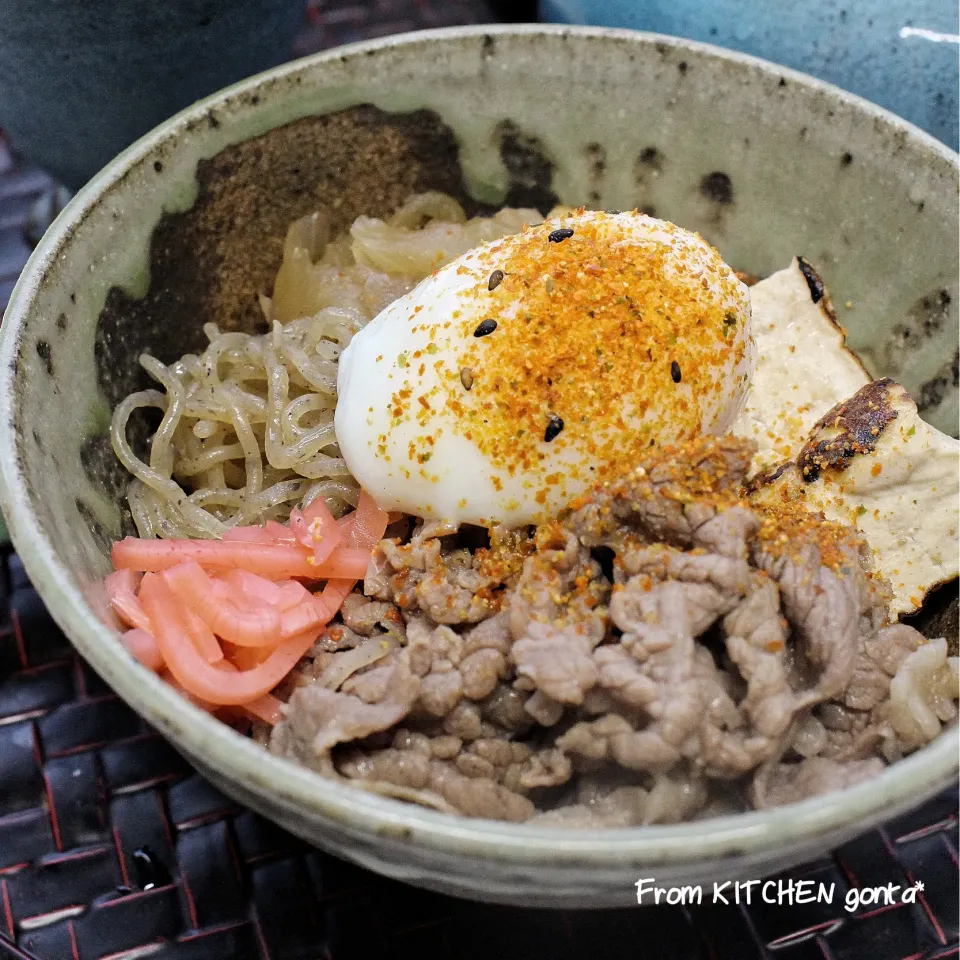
x,y
467,722
622,676
456,592
792,782
725,533
481,797
545,710
757,645
823,605
560,585
338,636
644,656
676,797
505,709
667,499
556,618
659,620
613,738
369,617
318,718
556,661
478,780
725,745
621,807
451,666
877,662
669,800
545,768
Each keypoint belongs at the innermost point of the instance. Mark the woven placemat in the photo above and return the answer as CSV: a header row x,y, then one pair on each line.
x,y
112,847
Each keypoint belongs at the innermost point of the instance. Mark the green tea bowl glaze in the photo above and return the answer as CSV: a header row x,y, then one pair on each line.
x,y
187,226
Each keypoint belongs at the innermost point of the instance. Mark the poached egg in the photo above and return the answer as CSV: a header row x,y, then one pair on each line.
x,y
533,367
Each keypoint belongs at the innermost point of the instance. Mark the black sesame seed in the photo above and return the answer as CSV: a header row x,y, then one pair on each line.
x,y
613,213
554,426
496,278
486,326
558,236
675,371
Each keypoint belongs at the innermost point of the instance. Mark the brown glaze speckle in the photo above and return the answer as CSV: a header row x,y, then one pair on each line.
x,y
45,354
106,472
597,159
597,156
651,157
100,535
529,169
925,318
931,311
718,187
213,260
933,391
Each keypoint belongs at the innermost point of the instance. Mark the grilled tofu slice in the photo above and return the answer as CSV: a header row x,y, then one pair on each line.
x,y
804,367
873,462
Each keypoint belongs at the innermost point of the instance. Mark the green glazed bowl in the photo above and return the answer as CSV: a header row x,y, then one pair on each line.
x,y
186,226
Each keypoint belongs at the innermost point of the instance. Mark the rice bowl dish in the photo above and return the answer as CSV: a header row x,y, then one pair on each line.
x,y
458,574
593,603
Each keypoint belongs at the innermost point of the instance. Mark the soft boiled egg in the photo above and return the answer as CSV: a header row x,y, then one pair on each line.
x,y
533,367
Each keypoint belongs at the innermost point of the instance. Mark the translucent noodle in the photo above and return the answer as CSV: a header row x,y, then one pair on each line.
x,y
247,427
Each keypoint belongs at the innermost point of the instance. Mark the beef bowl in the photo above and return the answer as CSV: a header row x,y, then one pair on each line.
x,y
487,130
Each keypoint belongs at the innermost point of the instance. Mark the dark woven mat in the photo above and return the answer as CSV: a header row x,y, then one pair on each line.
x,y
111,846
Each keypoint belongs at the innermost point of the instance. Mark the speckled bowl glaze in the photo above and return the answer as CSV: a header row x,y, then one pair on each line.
x,y
186,226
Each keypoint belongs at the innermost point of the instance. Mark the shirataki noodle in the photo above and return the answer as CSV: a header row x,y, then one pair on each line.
x,y
247,429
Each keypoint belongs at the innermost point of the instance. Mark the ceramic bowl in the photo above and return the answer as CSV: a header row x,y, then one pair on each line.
x,y
865,47
186,227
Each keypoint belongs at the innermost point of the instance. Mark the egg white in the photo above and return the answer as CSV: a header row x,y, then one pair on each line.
x,y
411,346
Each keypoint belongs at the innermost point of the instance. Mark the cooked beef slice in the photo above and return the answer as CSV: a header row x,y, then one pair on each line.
x,y
665,641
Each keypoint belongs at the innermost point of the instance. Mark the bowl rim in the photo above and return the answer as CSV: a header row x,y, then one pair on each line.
x,y
236,758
